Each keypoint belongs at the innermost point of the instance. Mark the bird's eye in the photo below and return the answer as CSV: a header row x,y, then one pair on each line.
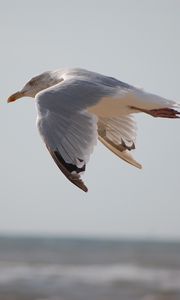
x,y
31,82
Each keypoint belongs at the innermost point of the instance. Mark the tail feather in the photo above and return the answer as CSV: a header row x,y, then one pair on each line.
x,y
152,101
142,101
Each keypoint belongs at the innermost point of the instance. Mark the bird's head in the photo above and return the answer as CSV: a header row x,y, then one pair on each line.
x,y
35,85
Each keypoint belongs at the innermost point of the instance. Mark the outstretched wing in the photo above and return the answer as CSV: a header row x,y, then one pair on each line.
x,y
67,128
70,138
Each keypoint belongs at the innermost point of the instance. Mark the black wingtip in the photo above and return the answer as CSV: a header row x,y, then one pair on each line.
x,y
67,169
76,179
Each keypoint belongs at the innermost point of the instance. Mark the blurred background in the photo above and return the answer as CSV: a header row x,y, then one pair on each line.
x,y
122,239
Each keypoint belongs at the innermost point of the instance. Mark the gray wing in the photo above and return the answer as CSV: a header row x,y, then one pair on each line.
x,y
120,130
67,128
118,134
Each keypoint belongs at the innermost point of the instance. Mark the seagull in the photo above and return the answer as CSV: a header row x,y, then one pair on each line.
x,y
76,107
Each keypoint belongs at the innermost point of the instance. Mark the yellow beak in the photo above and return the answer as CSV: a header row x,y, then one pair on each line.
x,y
15,96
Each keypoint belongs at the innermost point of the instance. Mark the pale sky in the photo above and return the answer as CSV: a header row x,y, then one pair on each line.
x,y
136,41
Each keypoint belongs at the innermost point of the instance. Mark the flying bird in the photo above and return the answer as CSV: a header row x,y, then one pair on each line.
x,y
75,107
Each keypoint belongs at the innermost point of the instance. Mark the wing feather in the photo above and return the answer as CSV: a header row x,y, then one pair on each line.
x,y
68,145
67,169
119,136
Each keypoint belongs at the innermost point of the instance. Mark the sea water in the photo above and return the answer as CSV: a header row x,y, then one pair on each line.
x,y
88,269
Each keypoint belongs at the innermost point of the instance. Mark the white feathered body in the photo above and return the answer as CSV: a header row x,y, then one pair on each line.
x,y
76,107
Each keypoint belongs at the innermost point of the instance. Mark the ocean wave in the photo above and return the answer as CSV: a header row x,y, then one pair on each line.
x,y
164,279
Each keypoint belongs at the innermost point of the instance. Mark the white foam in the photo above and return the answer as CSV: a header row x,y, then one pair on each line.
x,y
165,279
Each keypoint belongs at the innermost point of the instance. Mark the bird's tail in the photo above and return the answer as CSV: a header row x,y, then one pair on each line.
x,y
154,105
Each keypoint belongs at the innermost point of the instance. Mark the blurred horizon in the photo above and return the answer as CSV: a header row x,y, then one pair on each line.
x,y
81,237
